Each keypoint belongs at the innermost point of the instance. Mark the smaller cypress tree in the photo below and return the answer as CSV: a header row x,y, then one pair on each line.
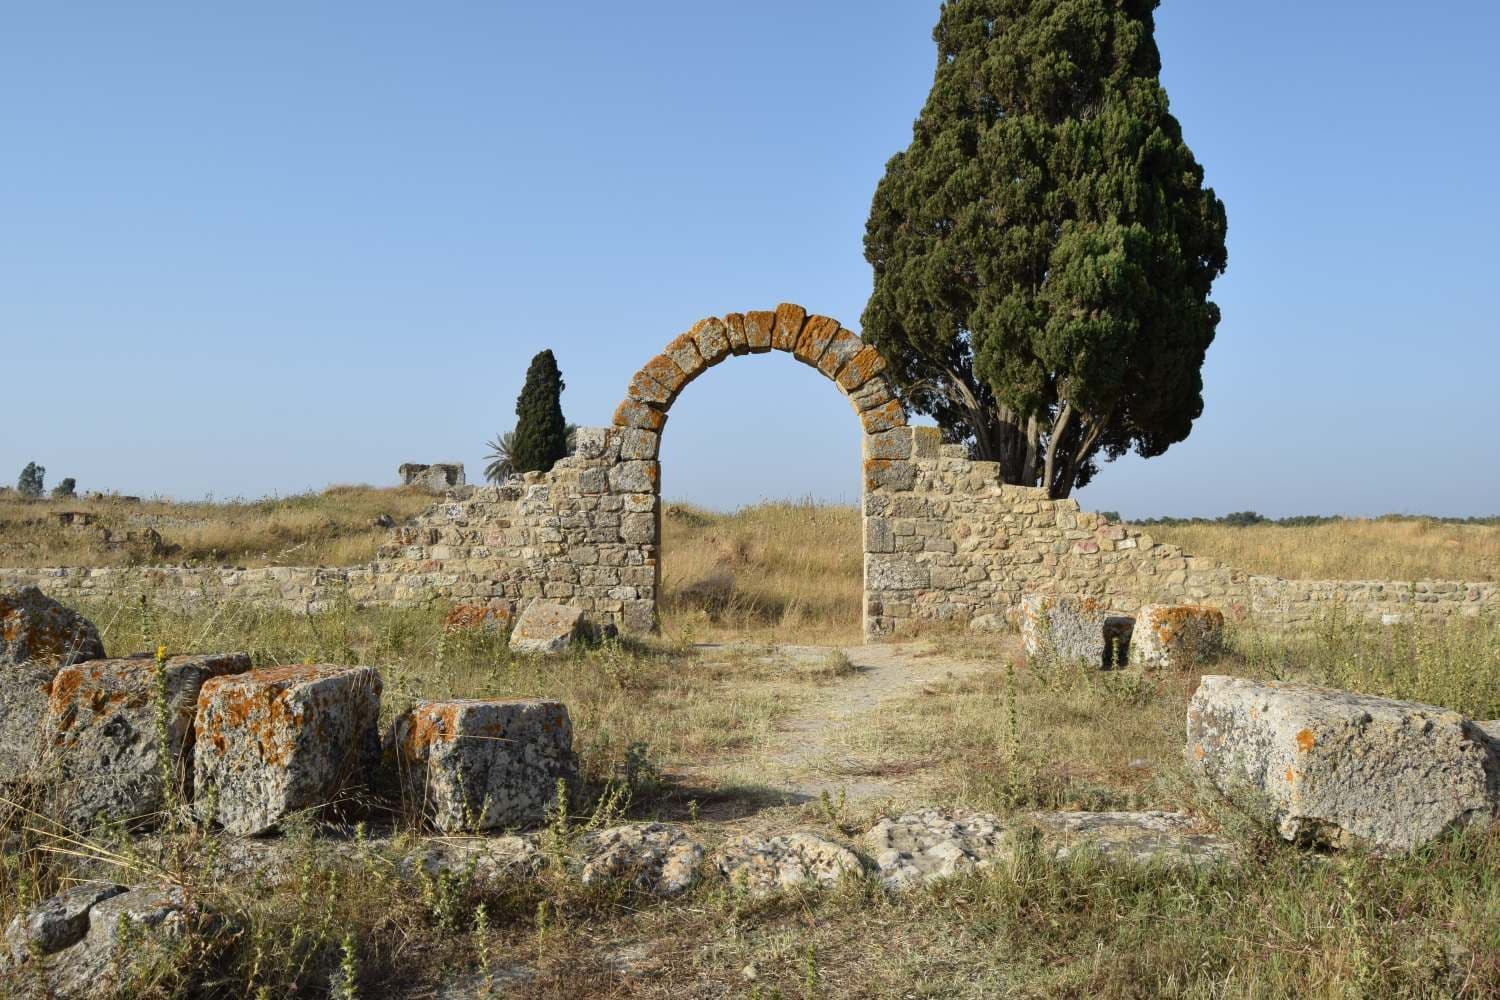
x,y
29,485
541,432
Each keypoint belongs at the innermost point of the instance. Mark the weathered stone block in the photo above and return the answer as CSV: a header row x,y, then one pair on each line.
x,y
817,333
892,445
635,477
591,442
638,445
1334,768
895,572
547,628
760,328
483,765
840,351
646,389
23,712
1081,630
734,328
861,368
789,321
275,741
684,351
633,413
666,373
882,474
103,732
55,923
36,629
656,858
883,417
764,865
712,340
933,844
876,392
1176,637
472,618
638,528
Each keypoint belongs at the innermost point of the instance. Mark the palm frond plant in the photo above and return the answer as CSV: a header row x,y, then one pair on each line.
x,y
500,467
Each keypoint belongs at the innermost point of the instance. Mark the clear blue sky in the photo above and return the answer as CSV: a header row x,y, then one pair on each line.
x,y
264,247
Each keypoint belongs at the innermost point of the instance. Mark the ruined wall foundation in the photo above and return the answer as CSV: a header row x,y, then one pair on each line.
x,y
945,542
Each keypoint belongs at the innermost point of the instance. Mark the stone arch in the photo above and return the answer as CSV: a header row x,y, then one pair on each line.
x,y
817,341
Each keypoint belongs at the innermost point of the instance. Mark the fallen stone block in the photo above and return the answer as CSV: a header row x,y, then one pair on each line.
x,y
490,863
764,865
481,765
1166,838
100,965
933,844
36,629
1176,637
54,924
548,628
1080,630
477,618
1333,768
656,858
103,737
275,741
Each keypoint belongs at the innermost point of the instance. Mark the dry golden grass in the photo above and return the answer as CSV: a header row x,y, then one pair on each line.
x,y
1380,549
332,528
786,572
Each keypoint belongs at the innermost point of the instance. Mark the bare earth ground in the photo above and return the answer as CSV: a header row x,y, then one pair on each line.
x,y
802,760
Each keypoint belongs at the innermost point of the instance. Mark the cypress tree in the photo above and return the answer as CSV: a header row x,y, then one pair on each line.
x,y
541,435
1045,248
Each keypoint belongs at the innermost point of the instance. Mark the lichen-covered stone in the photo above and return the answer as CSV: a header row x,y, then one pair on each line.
x,y
762,865
645,389
817,333
883,417
55,923
635,477
760,329
1333,768
634,413
491,863
483,765
789,321
840,351
656,858
546,628
36,629
102,743
100,964
683,350
278,740
24,690
734,329
1082,630
860,369
712,340
933,844
1176,637
477,618
1170,839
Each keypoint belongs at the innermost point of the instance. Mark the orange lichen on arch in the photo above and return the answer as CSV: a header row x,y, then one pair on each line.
x,y
1306,740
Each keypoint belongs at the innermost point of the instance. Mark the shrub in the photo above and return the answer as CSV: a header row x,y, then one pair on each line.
x,y
29,485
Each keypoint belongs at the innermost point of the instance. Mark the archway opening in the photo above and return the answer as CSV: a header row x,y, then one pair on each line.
x,y
760,477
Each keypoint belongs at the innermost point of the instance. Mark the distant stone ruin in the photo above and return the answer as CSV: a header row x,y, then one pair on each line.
x,y
945,541
438,478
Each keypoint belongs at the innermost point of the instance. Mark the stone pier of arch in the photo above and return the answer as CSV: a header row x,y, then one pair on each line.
x,y
945,542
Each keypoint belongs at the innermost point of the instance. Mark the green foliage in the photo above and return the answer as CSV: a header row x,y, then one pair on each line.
x,y
29,484
541,434
1045,248
66,490
499,466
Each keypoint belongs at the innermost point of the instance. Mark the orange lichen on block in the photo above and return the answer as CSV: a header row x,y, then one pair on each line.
x,y
789,320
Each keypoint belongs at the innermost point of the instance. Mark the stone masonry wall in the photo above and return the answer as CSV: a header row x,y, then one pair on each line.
x,y
945,541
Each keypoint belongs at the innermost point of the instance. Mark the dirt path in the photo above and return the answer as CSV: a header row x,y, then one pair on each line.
x,y
801,762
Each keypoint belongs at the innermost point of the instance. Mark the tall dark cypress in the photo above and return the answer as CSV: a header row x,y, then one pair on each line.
x,y
541,432
1045,248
